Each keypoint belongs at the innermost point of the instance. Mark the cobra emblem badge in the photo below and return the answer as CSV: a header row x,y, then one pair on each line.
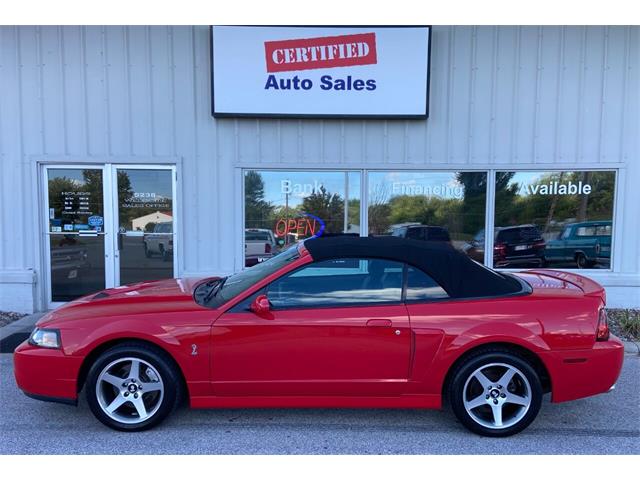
x,y
194,349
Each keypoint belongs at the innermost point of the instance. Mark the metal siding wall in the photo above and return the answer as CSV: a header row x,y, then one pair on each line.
x,y
499,96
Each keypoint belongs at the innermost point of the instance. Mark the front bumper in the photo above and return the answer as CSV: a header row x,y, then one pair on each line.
x,y
582,373
46,373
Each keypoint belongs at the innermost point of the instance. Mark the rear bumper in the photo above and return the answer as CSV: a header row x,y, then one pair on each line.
x,y
519,261
46,374
582,373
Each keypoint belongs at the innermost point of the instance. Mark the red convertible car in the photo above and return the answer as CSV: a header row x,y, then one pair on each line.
x,y
332,322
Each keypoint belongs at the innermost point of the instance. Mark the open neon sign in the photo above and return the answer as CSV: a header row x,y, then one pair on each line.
x,y
307,225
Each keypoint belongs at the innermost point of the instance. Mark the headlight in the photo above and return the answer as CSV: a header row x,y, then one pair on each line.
x,y
45,337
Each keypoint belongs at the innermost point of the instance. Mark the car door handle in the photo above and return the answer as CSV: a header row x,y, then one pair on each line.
x,y
379,322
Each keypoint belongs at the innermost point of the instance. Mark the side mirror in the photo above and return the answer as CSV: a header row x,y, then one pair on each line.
x,y
260,305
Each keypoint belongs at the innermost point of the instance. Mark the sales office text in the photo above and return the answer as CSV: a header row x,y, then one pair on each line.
x,y
327,82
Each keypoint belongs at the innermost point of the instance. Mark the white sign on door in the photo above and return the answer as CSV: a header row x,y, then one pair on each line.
x,y
320,71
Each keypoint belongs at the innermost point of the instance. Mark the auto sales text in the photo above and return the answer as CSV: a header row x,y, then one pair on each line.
x,y
327,82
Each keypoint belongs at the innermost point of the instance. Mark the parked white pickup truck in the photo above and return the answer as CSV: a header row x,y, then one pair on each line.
x,y
160,241
259,245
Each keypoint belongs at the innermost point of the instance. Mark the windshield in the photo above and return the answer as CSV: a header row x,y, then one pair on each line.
x,y
518,235
241,281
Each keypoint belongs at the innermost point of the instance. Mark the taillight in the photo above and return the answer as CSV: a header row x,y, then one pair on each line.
x,y
540,244
499,250
602,332
267,248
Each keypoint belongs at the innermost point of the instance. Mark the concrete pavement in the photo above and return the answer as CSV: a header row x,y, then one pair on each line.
x,y
604,424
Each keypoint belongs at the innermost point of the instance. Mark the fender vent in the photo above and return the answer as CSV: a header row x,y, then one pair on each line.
x,y
100,295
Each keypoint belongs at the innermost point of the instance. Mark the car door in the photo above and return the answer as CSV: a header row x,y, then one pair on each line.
x,y
603,235
336,327
586,241
566,249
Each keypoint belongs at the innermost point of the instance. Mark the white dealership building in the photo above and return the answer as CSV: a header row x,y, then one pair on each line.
x,y
137,153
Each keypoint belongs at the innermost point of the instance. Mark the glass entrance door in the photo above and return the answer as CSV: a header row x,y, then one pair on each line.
x,y
76,232
107,226
145,219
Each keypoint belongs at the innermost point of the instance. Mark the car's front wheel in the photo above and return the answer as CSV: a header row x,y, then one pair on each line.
x,y
132,387
495,393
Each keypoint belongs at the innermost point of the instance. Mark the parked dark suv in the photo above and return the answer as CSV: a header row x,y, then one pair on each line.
x,y
518,246
428,233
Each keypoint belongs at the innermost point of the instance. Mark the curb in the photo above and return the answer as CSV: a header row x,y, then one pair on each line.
x,y
631,347
25,324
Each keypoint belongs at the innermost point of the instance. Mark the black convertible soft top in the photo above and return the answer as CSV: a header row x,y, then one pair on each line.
x,y
459,275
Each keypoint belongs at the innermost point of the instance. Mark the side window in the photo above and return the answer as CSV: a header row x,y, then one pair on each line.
x,y
421,287
416,233
338,282
566,234
439,235
588,231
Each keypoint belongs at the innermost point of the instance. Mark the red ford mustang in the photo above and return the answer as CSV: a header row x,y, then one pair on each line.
x,y
332,322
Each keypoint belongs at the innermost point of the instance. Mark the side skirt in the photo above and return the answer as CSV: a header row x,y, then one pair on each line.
x,y
431,401
66,401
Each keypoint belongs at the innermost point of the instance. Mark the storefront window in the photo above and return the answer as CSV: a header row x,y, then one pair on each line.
x,y
553,219
446,207
282,208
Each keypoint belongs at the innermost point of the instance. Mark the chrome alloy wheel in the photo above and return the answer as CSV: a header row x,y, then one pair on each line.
x,y
497,395
129,390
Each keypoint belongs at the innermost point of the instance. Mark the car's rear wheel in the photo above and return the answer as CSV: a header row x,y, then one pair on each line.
x,y
132,387
495,393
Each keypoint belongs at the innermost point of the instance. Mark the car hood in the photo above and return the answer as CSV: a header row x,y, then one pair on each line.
x,y
174,294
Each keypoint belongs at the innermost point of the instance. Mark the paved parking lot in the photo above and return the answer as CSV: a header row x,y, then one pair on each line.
x,y
606,424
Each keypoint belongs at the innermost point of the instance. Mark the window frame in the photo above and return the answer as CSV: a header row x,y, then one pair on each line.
x,y
341,305
363,170
618,181
405,286
240,183
241,306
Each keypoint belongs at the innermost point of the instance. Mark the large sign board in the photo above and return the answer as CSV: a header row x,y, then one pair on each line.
x,y
380,72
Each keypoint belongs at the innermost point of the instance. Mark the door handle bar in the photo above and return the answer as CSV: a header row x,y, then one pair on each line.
x,y
379,322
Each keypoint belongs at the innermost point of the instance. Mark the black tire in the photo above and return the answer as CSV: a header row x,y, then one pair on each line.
x,y
581,261
163,365
490,356
165,255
